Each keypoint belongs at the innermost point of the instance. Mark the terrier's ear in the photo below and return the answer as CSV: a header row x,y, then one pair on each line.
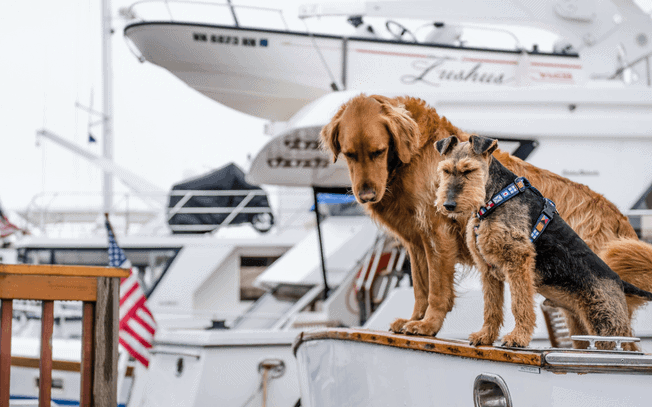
x,y
403,130
446,145
331,132
483,145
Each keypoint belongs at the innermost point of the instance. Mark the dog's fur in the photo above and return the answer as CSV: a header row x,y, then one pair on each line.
x,y
388,144
558,265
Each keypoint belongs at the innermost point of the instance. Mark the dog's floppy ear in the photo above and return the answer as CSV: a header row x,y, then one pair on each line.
x,y
331,132
401,127
483,145
446,145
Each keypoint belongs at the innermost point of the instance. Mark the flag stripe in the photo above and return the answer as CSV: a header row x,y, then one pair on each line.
x,y
149,314
130,305
135,344
143,333
149,328
6,227
146,316
128,292
142,359
129,329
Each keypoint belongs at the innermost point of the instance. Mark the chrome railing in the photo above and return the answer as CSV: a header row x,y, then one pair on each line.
x,y
233,212
79,214
138,11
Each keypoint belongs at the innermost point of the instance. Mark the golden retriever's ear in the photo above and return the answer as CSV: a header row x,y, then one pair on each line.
x,y
483,145
330,133
401,127
446,145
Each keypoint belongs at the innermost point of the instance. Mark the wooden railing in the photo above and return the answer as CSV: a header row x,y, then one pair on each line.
x,y
98,288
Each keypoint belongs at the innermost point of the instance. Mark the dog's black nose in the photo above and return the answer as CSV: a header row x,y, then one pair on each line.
x,y
450,205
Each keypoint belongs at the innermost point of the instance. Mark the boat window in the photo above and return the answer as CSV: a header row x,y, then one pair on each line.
x,y
250,268
149,264
339,204
346,209
642,221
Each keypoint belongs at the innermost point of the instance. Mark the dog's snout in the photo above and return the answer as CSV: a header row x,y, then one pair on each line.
x,y
367,195
450,205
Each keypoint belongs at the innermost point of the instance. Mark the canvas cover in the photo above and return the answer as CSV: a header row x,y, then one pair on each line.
x,y
227,178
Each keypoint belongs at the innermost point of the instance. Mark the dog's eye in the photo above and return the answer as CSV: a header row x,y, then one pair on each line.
x,y
351,156
467,172
447,171
376,154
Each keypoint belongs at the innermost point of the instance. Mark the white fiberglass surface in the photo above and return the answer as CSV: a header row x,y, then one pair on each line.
x,y
346,373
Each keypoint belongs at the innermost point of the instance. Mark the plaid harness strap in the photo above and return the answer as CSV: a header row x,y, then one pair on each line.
x,y
519,185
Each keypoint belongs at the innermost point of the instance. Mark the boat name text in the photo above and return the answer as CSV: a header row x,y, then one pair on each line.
x,y
230,39
434,70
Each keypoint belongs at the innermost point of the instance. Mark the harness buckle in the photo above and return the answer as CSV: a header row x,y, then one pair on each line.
x,y
522,184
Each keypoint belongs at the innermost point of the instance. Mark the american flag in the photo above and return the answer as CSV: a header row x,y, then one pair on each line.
x,y
6,228
137,325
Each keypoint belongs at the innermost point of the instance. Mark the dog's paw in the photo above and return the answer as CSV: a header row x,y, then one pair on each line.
x,y
482,337
515,340
424,327
398,325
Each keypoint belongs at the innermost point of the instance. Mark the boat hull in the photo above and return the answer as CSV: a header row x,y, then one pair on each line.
x,y
272,74
340,369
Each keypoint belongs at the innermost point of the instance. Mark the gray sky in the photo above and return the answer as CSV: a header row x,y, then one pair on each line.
x,y
164,130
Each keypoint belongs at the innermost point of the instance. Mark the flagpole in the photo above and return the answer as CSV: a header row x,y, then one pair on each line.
x,y
108,222
123,359
107,93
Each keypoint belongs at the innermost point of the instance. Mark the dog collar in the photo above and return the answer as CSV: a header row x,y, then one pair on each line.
x,y
519,185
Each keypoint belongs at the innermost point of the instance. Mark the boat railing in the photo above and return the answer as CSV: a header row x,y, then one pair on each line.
x,y
176,11
78,213
98,288
231,212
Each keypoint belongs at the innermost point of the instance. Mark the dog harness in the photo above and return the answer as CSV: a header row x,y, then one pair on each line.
x,y
519,185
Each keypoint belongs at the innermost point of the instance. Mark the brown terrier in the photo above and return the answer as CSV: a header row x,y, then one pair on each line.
x,y
514,234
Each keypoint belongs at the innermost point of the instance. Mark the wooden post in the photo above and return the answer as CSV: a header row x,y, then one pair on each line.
x,y
98,288
45,368
87,357
106,343
5,351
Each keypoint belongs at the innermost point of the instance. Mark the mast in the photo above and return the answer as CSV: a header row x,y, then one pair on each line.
x,y
107,93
